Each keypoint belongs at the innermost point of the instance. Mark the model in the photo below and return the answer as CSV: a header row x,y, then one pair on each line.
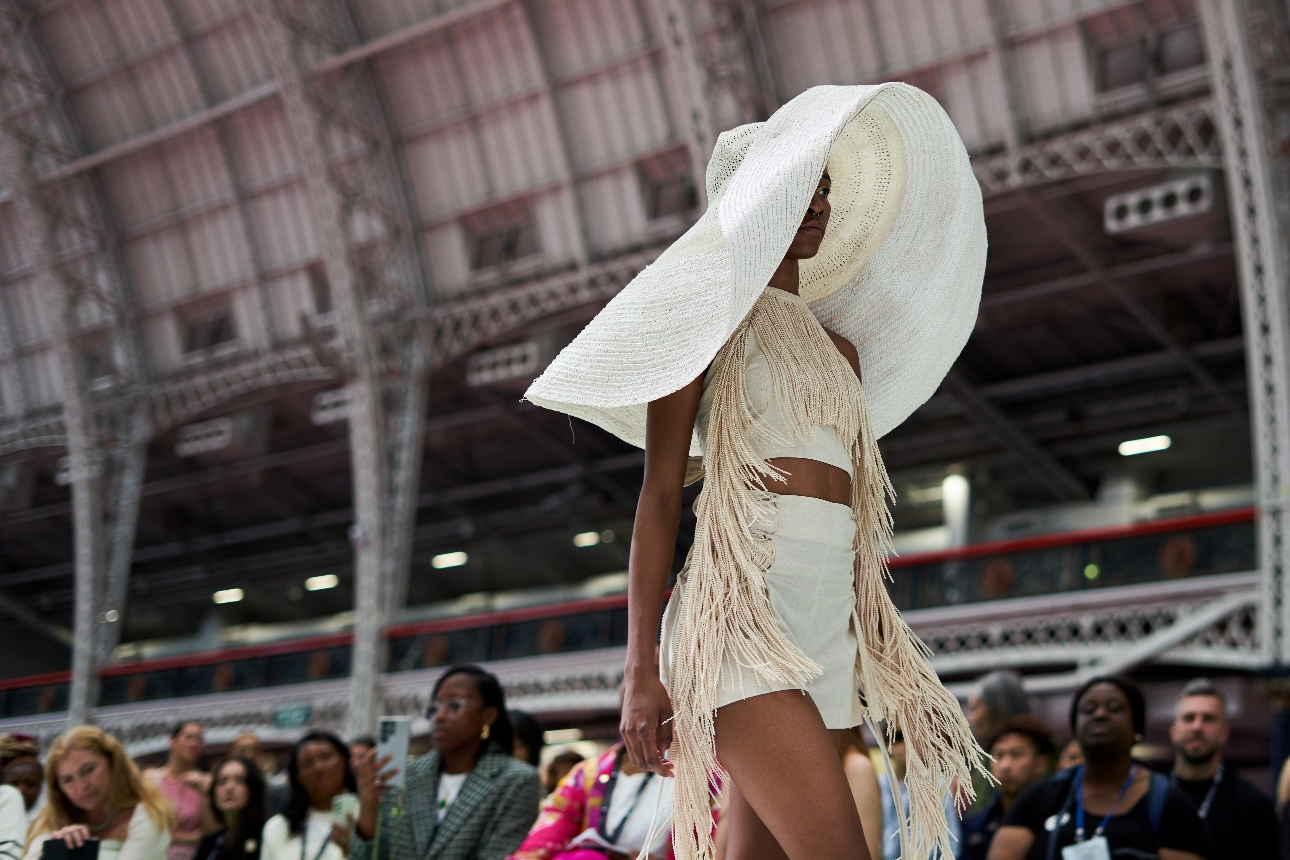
x,y
844,239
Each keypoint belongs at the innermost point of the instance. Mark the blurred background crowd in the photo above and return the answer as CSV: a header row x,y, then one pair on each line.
x,y
484,783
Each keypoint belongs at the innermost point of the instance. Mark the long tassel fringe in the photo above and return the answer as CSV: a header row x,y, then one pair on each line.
x,y
726,612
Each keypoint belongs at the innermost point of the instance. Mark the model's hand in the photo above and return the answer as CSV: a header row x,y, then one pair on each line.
x,y
373,781
75,835
340,834
646,723
198,780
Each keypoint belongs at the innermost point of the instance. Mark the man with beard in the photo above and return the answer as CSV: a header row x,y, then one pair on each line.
x,y
1239,817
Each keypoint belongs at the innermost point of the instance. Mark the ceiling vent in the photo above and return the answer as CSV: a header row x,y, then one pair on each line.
x,y
1158,204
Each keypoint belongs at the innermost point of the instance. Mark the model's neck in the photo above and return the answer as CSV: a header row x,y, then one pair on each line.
x,y
461,760
321,802
1112,770
1197,771
1006,800
785,277
176,766
231,818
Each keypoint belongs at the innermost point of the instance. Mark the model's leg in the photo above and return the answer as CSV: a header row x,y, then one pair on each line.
x,y
791,789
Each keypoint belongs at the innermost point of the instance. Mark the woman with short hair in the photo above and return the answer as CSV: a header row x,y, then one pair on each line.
x,y
1112,805
94,791
469,798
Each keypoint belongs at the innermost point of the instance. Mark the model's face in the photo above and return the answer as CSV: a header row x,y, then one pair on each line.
x,y
1104,719
231,793
85,777
187,745
1200,729
1017,764
459,715
26,777
321,771
810,234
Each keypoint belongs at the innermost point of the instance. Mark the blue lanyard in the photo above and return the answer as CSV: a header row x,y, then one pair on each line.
x,y
1079,803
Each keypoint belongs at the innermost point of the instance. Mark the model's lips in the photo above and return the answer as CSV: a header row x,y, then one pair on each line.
x,y
811,227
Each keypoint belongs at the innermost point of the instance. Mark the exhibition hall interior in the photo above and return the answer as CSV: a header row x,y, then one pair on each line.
x,y
275,276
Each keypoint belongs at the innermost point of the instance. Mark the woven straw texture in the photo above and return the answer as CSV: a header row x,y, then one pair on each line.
x,y
898,274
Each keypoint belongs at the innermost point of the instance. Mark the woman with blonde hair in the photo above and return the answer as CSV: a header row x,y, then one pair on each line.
x,y
94,791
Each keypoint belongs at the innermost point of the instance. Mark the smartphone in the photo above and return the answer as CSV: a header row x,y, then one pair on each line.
x,y
56,849
393,735
343,807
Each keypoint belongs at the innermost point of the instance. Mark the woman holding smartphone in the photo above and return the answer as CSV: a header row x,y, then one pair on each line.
x,y
94,791
318,771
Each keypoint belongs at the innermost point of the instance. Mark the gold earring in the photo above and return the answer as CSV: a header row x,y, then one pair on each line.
x,y
483,735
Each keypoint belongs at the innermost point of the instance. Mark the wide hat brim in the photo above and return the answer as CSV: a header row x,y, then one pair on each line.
x,y
898,274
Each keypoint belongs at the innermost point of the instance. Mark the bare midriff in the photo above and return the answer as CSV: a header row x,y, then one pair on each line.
x,y
811,478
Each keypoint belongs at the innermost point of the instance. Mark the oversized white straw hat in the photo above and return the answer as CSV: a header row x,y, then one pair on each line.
x,y
898,273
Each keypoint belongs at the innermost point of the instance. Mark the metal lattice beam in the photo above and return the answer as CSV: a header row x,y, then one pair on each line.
x,y
1254,171
1183,135
68,236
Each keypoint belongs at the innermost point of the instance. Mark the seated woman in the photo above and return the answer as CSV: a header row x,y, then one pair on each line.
x,y
467,799
603,802
238,798
94,791
1111,804
318,770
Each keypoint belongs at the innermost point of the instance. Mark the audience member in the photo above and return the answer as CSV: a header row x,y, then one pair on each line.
x,y
1071,755
237,795
357,748
603,802
994,698
13,823
559,768
248,746
1241,822
94,791
317,771
528,738
467,798
185,787
20,767
863,779
1113,805
1022,749
890,817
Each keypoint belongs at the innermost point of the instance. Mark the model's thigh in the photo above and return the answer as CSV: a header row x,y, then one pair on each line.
x,y
789,780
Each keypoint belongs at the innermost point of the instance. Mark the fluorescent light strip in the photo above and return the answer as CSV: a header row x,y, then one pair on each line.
x,y
322,582
228,595
1144,446
449,559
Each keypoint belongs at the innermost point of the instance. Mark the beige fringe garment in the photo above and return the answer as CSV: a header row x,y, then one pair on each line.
x,y
726,609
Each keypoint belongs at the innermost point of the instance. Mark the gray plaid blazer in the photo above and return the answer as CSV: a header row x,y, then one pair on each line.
x,y
492,814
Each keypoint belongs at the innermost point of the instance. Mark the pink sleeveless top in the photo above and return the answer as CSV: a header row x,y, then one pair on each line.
x,y
187,802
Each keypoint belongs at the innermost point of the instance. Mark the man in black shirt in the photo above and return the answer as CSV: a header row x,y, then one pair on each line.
x,y
1239,817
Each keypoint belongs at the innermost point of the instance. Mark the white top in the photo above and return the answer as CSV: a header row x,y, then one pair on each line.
x,y
823,444
143,841
657,795
277,843
13,823
449,788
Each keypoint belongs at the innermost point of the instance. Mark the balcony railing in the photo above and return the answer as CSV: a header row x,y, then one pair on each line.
x,y
1069,562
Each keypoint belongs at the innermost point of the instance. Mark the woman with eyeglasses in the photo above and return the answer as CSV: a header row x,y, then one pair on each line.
x,y
469,798
317,770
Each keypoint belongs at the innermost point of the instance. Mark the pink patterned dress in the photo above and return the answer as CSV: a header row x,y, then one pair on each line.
x,y
187,802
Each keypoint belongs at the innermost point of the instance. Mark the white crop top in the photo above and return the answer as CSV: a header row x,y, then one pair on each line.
x,y
823,445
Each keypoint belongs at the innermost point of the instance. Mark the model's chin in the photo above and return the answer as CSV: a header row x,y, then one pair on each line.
x,y
805,246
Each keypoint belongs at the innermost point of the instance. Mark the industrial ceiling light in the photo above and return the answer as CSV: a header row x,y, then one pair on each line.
x,y
1144,446
449,559
228,595
586,539
322,582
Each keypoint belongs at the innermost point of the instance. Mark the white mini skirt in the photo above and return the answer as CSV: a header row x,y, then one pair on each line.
x,y
812,592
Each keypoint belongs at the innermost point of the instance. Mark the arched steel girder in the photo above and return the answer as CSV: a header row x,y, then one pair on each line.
x,y
76,261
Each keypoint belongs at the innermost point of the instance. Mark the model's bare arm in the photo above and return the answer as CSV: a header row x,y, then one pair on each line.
x,y
1011,843
646,707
